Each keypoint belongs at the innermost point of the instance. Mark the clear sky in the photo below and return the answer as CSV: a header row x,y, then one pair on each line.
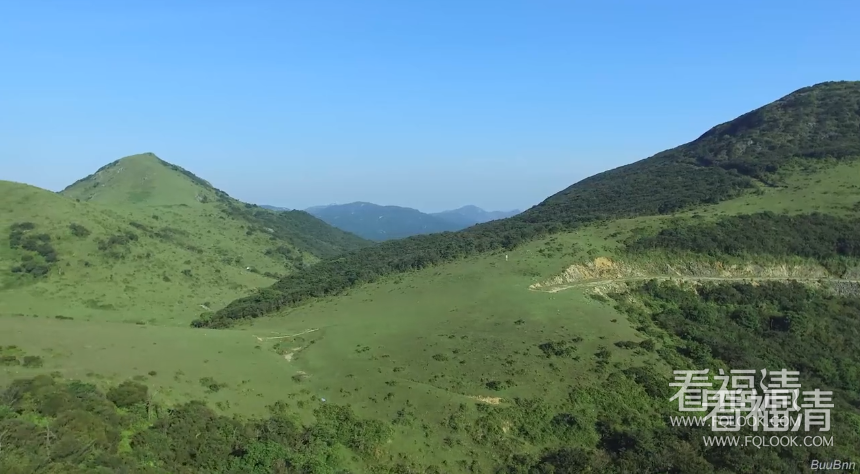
x,y
427,104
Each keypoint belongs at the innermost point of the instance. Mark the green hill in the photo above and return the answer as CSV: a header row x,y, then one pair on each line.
x,y
541,343
145,180
741,269
814,125
375,222
142,180
487,363
143,240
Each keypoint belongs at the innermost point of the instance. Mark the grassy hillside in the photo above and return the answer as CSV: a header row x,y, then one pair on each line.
x,y
811,127
473,372
144,241
375,222
118,266
142,181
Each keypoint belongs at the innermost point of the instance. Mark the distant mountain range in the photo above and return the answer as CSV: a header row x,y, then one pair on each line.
x,y
470,215
375,222
275,208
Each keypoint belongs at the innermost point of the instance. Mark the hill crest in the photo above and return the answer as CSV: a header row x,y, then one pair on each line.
x,y
142,179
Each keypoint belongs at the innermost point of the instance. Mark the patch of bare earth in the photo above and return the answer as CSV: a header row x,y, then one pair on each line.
x,y
288,356
605,275
489,400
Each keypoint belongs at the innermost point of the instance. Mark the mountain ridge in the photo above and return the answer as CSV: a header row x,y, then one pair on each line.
x,y
470,215
364,219
811,125
377,222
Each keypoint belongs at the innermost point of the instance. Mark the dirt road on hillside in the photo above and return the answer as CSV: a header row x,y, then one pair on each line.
x,y
611,281
593,283
604,274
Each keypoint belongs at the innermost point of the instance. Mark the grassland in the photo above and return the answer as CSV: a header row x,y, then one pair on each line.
x,y
417,349
141,242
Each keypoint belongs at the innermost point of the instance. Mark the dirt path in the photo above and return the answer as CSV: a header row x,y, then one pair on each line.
x,y
593,283
261,339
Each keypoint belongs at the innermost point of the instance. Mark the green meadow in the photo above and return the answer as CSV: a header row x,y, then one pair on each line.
x,y
412,349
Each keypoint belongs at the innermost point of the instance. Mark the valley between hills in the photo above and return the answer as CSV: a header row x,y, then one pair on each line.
x,y
542,342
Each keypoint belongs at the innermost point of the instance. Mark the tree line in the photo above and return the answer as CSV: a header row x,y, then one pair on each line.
x,y
827,238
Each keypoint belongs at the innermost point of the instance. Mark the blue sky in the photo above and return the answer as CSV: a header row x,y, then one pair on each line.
x,y
427,104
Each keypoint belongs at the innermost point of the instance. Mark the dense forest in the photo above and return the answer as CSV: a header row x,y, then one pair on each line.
x,y
727,326
54,426
620,423
761,326
826,238
810,124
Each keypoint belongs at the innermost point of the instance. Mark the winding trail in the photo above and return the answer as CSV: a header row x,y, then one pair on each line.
x,y
602,282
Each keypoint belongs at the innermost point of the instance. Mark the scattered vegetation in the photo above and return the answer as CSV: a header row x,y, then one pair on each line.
x,y
116,245
211,385
79,230
37,252
559,348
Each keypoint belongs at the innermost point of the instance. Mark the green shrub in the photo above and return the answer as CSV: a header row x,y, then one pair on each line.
x,y
32,268
559,348
128,393
627,344
648,345
22,226
211,385
497,385
33,362
79,230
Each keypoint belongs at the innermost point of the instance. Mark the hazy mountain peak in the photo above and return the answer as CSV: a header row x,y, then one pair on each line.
x,y
377,222
470,215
